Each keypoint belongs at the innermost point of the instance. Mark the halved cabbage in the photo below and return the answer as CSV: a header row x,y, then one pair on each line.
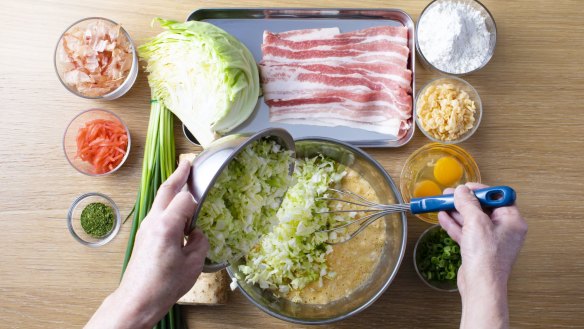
x,y
204,75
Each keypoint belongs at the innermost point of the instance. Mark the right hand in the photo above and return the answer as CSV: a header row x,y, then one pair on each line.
x,y
489,243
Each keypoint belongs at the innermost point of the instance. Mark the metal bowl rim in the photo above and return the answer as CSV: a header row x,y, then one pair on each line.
x,y
251,137
389,280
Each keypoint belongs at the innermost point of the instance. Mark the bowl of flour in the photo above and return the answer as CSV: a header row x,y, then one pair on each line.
x,y
456,37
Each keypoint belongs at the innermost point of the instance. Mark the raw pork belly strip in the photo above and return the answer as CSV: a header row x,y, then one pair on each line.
x,y
330,37
307,34
376,76
351,105
323,77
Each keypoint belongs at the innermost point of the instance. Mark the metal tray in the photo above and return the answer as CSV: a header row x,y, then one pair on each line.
x,y
248,26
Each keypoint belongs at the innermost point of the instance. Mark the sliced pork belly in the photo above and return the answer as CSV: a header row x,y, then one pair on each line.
x,y
396,34
309,38
306,34
322,77
376,111
354,103
374,75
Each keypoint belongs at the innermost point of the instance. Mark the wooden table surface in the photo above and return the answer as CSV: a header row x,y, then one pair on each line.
x,y
530,138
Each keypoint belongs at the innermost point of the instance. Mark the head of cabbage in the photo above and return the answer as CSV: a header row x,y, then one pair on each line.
x,y
204,75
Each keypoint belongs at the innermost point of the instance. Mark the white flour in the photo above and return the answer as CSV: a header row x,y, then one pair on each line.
x,y
453,37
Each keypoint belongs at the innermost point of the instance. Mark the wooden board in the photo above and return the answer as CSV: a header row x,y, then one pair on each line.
x,y
530,138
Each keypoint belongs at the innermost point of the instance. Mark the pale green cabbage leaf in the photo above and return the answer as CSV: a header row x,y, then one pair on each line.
x,y
242,204
294,253
204,75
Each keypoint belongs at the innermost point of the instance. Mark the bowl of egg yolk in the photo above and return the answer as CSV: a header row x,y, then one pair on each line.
x,y
433,168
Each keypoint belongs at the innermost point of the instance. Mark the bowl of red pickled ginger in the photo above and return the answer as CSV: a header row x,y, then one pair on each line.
x,y
96,142
95,58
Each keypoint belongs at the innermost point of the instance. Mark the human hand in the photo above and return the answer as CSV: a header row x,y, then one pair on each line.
x,y
162,267
489,244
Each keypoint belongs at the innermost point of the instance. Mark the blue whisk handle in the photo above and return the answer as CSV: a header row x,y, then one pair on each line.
x,y
490,197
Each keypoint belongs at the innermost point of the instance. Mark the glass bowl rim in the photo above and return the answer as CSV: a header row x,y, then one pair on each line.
x,y
459,151
127,148
428,283
492,51
126,79
103,240
478,115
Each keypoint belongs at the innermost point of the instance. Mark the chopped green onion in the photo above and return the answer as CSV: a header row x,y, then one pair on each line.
x,y
439,257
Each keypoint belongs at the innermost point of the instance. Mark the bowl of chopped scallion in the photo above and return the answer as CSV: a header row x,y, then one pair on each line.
x,y
437,259
93,219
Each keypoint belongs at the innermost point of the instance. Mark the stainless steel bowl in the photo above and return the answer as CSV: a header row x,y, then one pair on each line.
x,y
209,164
392,253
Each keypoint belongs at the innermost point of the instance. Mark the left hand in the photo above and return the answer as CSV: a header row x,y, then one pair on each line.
x,y
162,268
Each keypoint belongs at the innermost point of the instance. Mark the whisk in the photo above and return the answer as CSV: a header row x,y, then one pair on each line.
x,y
490,197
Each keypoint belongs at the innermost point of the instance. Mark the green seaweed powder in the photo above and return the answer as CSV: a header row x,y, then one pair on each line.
x,y
97,219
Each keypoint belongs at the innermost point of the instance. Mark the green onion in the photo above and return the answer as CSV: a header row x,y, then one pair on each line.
x,y
439,257
158,165
189,64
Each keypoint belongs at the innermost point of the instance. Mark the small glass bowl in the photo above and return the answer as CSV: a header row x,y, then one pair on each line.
x,y
70,139
74,219
130,77
472,94
447,286
489,22
422,158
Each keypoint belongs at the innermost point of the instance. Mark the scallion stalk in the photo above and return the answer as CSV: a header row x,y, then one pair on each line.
x,y
158,164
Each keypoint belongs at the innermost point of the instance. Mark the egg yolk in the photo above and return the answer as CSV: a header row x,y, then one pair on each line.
x,y
447,171
426,188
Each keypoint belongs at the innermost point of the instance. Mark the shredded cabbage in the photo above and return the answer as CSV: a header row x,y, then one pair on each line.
x,y
294,253
242,204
